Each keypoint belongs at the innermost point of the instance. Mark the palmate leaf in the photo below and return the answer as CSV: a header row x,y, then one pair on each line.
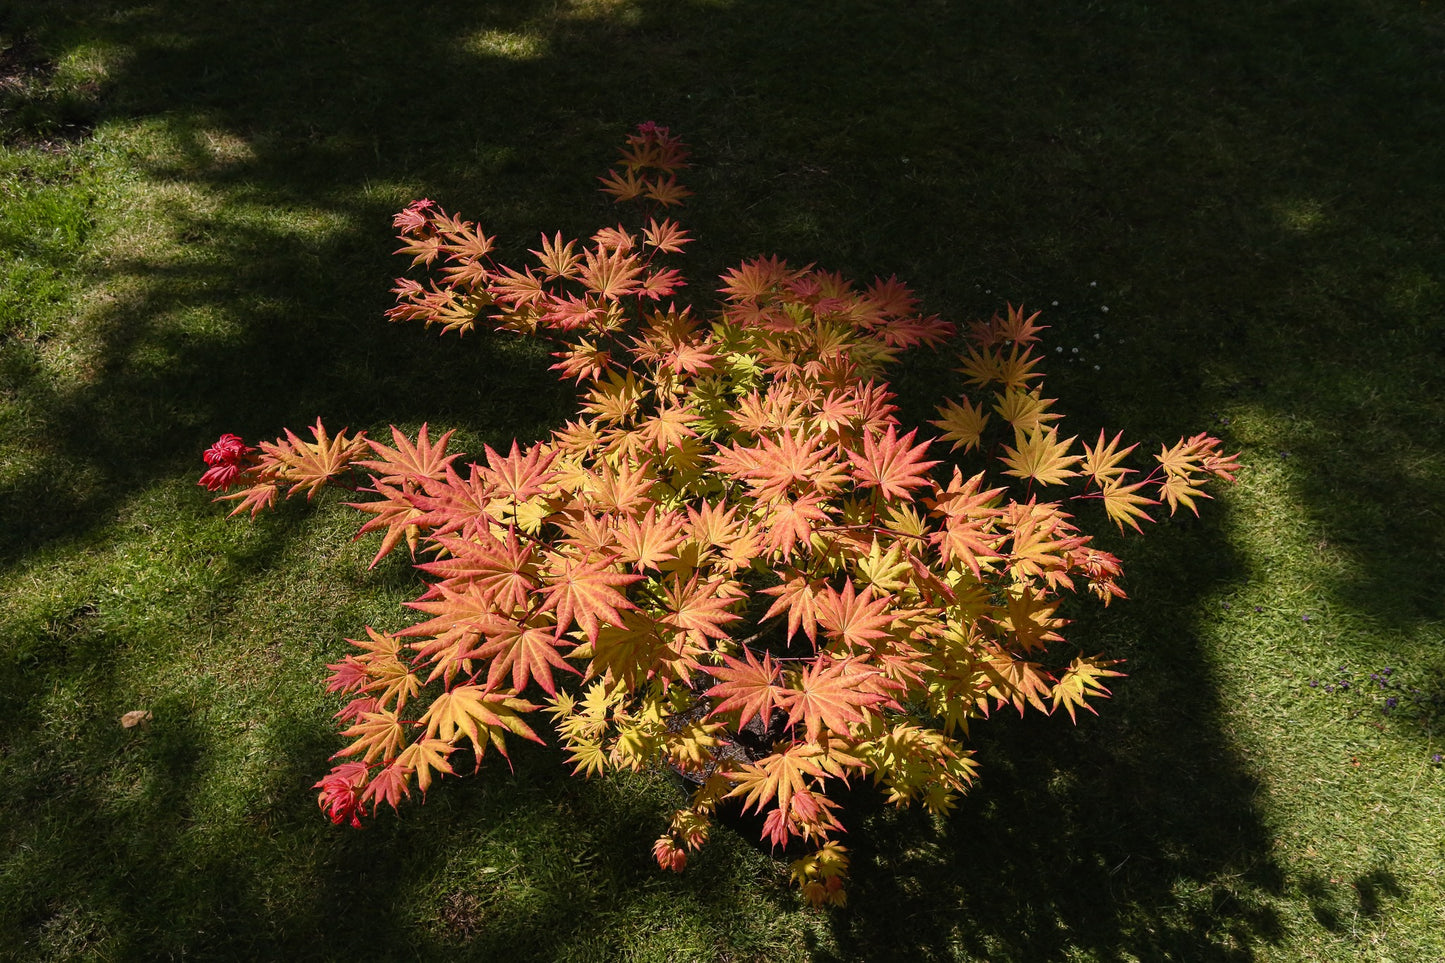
x,y
1025,410
529,652
396,512
1012,681
890,465
1101,462
649,541
1080,681
502,570
377,734
516,476
1125,505
799,597
666,236
1039,456
779,776
425,757
628,653
585,592
309,465
408,461
483,717
855,620
832,694
259,496
962,424
699,609
748,686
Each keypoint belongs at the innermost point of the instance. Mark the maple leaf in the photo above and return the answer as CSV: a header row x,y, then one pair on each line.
x,y
424,757
1040,456
481,716
585,590
1101,462
790,522
698,609
668,429
666,236
518,288
627,653
395,512
311,464
748,686
610,275
379,733
961,424
778,776
1013,681
666,192
1123,504
831,693
1025,410
800,598
557,260
649,541
615,401
856,620
1184,461
516,477
1080,681
387,786
1042,543
970,530
258,496
529,651
756,278
626,186
1015,327
773,467
408,461
621,489
1027,620
890,465
384,670
456,504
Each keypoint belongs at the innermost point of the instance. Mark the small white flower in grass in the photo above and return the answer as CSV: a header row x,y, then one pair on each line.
x,y
1104,308
1096,367
1059,349
1056,304
1093,284
1074,350
1096,336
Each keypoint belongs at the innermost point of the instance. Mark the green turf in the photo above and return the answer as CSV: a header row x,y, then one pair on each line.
x,y
195,238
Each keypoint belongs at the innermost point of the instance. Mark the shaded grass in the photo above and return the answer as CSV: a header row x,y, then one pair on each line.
x,y
1252,190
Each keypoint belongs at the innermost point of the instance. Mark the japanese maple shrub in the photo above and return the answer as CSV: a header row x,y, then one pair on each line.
x,y
735,562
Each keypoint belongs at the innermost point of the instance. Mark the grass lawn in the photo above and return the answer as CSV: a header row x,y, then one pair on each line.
x,y
1230,213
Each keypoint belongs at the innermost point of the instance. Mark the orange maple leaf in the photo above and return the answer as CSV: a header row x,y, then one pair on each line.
x,y
830,695
890,465
748,686
585,591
